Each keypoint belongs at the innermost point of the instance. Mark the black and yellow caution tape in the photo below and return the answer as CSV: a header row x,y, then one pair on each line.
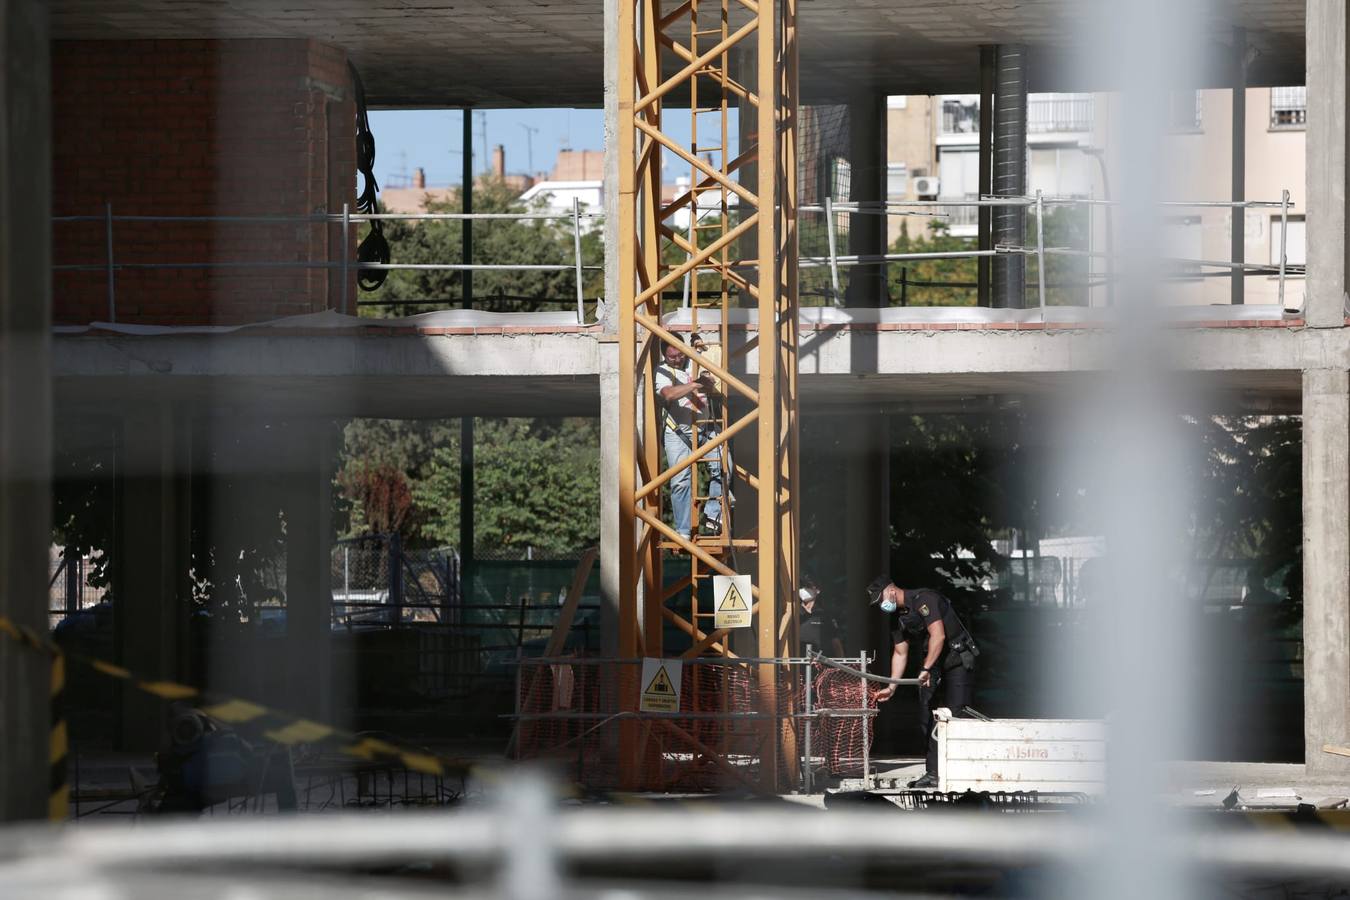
x,y
274,725
58,743
58,796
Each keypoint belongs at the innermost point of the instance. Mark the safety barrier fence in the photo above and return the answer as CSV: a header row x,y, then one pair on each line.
x,y
1040,203
525,845
569,711
345,265
833,260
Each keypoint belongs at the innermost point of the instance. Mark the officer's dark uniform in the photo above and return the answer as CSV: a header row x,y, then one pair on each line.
x,y
817,629
954,672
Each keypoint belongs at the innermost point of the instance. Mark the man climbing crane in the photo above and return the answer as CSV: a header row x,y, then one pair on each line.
x,y
688,405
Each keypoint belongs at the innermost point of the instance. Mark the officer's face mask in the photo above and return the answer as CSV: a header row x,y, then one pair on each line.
x,y
888,605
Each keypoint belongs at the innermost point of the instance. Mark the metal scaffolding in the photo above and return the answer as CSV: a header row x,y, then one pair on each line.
x,y
728,56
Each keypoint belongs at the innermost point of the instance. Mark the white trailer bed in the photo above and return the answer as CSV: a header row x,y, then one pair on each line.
x,y
1049,755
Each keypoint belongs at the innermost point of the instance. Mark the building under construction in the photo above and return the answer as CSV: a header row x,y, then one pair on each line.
x,y
190,227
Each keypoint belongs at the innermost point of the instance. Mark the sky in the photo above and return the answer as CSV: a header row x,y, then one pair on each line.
x,y
406,139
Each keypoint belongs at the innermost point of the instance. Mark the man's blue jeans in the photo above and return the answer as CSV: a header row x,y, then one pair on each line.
x,y
678,447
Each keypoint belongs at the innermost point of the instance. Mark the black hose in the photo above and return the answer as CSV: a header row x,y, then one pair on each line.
x,y
880,679
373,248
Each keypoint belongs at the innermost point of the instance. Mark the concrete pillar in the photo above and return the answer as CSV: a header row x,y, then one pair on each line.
x,y
309,589
1325,297
867,184
25,399
609,497
609,350
150,568
1326,568
610,187
1010,172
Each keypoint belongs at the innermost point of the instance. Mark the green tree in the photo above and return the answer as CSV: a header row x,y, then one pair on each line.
x,y
536,485
495,242
933,275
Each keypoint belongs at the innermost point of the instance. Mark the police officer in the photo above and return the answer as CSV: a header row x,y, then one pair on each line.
x,y
816,628
926,618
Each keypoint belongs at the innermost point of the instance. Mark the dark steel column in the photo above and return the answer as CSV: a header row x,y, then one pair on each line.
x,y
466,505
1010,172
867,231
986,219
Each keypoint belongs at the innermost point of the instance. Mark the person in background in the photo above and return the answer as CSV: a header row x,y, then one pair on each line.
x,y
816,628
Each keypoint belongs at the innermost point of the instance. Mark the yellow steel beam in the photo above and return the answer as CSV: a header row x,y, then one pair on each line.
x,y
764,217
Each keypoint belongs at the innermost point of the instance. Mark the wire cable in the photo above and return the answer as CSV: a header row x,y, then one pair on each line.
x,y
881,679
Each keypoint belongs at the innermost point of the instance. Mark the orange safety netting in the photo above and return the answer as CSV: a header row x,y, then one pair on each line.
x,y
842,732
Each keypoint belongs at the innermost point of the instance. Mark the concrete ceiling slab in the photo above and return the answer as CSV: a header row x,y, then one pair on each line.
x,y
501,53
435,376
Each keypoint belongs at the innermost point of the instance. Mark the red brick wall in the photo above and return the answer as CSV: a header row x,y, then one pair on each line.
x,y
194,128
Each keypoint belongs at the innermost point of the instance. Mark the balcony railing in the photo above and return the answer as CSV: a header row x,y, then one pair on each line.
x,y
1059,114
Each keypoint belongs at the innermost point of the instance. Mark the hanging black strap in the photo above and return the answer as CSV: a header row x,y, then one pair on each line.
x,y
373,248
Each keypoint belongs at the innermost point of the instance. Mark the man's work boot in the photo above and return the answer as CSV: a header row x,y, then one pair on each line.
x,y
710,527
925,783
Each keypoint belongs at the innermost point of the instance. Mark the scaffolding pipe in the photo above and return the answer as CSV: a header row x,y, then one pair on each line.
x,y
834,256
576,246
346,243
1040,248
1284,237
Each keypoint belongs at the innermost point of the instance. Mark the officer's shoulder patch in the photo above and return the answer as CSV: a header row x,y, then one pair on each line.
x,y
923,610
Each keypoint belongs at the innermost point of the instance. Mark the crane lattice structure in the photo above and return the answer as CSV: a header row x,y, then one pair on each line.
x,y
720,66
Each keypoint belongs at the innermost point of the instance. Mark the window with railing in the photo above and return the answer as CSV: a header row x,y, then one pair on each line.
x,y
1288,107
1047,113
960,115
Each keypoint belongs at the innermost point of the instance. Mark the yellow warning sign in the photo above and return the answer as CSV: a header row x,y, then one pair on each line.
x,y
731,605
660,685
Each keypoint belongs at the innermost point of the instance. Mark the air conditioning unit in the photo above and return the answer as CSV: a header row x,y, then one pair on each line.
x,y
927,186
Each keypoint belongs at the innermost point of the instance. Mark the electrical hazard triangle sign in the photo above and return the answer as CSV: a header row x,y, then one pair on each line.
x,y
660,685
731,601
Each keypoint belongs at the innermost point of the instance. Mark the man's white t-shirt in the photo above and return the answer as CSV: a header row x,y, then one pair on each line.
x,y
683,411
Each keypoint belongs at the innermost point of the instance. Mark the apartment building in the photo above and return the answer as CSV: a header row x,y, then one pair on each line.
x,y
933,147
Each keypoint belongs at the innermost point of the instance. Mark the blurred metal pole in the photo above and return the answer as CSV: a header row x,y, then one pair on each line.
x,y
466,505
25,399
1238,217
